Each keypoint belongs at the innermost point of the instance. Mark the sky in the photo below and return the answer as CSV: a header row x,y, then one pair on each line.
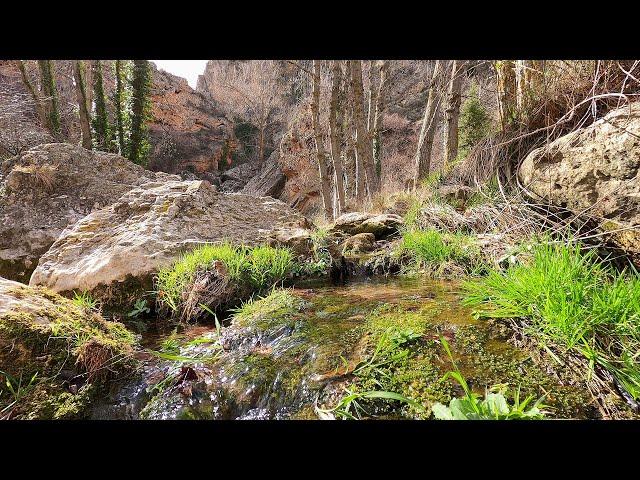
x,y
189,69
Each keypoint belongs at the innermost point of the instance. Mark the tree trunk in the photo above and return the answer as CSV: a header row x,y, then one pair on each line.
x,y
101,120
50,94
452,114
363,143
81,97
325,182
120,106
335,120
506,86
37,98
140,112
422,160
371,96
377,119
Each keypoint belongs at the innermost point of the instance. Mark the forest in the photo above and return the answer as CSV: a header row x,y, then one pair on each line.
x,y
320,240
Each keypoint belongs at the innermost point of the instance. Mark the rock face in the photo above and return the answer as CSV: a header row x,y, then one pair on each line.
x,y
70,348
124,244
188,131
269,182
49,187
595,171
381,225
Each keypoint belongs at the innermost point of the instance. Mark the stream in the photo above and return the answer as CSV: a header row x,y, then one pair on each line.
x,y
277,362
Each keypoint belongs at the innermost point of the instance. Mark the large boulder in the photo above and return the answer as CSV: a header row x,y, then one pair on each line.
x,y
115,251
61,353
381,225
47,188
594,171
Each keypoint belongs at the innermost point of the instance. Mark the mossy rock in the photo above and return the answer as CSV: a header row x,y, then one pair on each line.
x,y
59,353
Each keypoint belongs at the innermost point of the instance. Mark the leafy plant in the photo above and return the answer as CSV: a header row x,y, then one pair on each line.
x,y
349,408
139,308
494,406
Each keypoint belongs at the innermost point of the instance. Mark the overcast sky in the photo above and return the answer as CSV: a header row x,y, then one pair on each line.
x,y
189,69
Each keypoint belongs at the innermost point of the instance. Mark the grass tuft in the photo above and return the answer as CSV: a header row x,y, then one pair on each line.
x,y
568,299
256,267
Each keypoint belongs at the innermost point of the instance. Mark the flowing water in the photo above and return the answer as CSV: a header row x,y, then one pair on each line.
x,y
277,363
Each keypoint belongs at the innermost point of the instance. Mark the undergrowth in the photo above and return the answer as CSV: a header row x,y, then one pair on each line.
x,y
567,299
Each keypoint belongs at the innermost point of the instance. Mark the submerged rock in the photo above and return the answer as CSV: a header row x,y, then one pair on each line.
x,y
115,251
594,172
49,187
60,352
381,225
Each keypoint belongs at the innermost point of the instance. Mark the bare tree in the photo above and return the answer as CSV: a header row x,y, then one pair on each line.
x,y
79,76
35,94
325,178
506,87
422,159
364,155
251,90
452,114
335,121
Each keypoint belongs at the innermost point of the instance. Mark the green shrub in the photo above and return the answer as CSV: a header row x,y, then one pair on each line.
x,y
569,299
258,267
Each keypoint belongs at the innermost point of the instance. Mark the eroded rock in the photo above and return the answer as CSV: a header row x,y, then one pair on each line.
x,y
116,250
594,171
47,188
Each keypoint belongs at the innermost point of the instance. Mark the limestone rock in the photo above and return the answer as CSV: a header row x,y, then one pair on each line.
x,y
47,188
381,225
594,171
360,243
121,246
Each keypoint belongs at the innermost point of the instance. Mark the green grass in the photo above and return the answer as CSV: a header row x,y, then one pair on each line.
x,y
568,299
86,301
259,267
435,251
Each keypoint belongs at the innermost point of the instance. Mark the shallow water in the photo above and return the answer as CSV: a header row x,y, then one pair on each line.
x,y
279,367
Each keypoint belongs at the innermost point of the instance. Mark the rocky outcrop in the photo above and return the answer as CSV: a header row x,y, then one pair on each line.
x,y
269,182
381,225
594,171
49,187
61,352
116,250
235,179
188,130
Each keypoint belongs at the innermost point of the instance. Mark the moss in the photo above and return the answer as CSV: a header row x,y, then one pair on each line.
x,y
414,367
50,335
